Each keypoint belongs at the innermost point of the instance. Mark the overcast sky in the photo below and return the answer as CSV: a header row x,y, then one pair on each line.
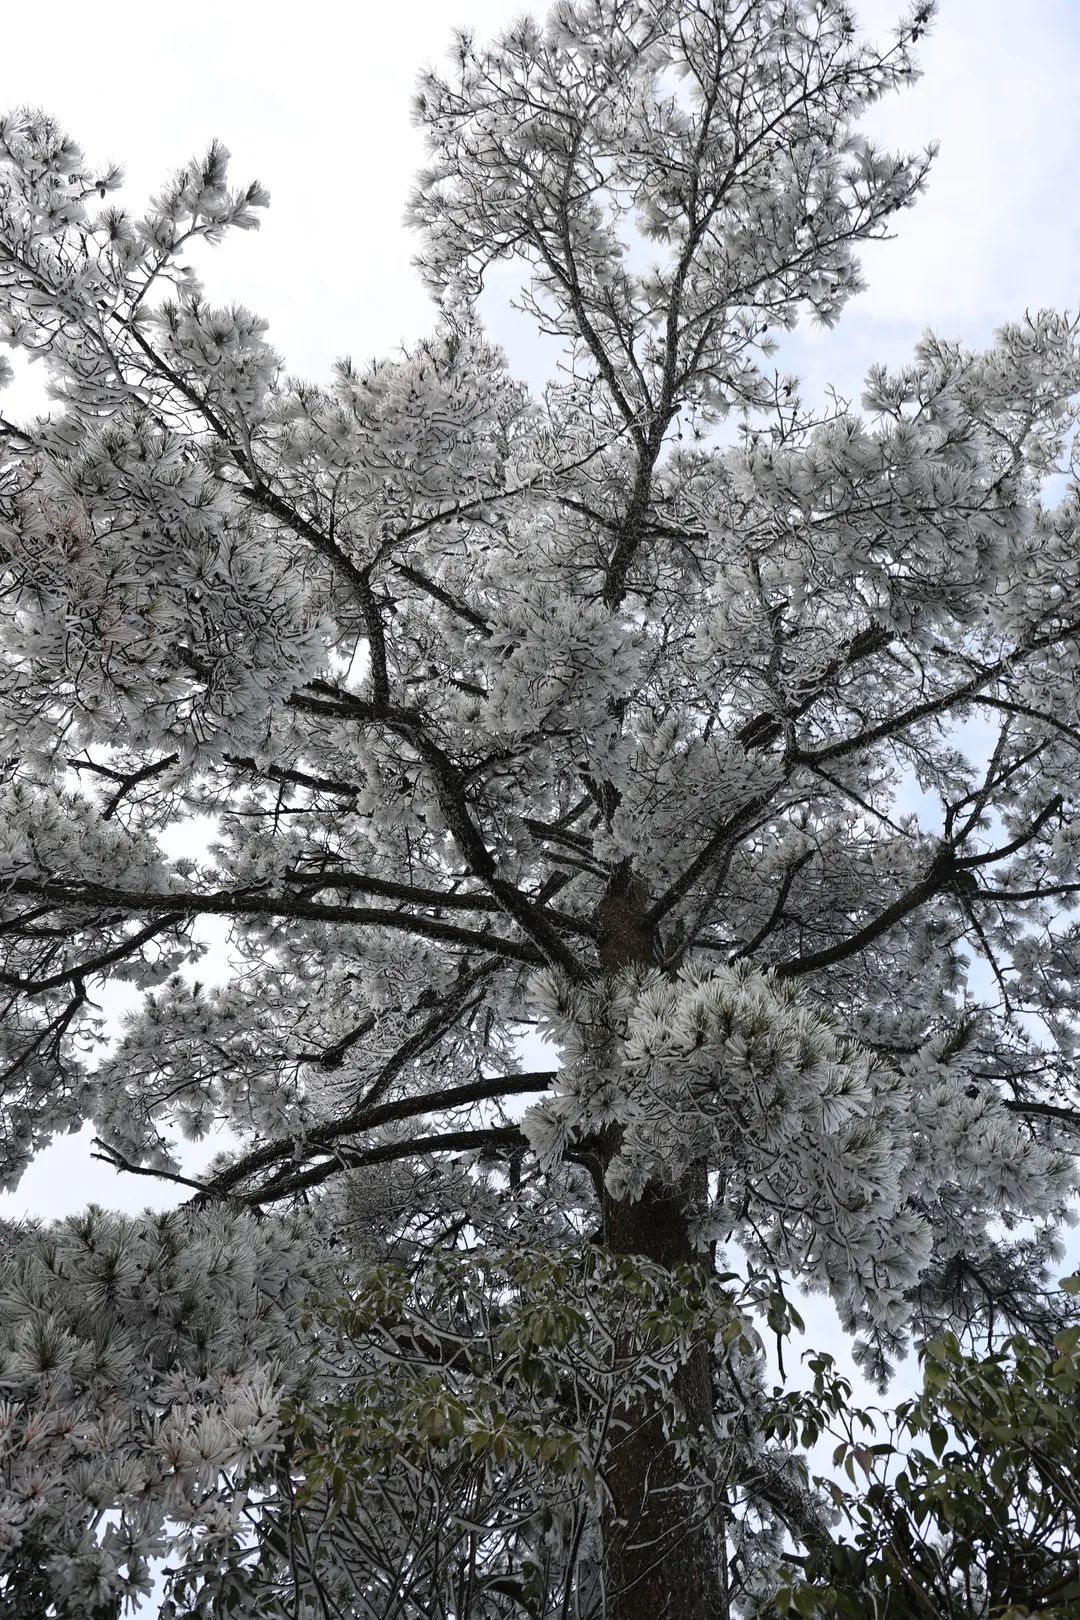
x,y
314,100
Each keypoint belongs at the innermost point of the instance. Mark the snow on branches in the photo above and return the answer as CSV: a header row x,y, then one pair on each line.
x,y
480,711
142,1368
825,1160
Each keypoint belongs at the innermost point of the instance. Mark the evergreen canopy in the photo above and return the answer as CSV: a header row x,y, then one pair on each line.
x,y
511,713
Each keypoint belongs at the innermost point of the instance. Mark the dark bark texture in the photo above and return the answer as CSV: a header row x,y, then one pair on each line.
x,y
663,1546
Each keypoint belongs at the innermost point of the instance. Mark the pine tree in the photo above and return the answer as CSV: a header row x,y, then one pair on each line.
x,y
579,715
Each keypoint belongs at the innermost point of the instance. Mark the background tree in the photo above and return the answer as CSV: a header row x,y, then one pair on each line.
x,y
509,714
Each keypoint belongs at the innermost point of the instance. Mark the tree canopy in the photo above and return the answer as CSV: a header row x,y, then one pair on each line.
x,y
586,713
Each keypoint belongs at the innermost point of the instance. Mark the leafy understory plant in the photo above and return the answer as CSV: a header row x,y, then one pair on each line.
x,y
968,1502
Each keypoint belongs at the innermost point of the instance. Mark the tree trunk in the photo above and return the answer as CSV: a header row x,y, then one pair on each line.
x,y
664,1551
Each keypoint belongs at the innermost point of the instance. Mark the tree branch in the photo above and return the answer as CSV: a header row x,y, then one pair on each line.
x,y
466,1141
247,904
323,1137
86,970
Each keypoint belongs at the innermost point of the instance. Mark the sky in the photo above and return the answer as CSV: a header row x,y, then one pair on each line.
x,y
314,101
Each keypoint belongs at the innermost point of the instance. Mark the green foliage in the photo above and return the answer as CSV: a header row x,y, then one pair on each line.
x,y
481,1396
970,1510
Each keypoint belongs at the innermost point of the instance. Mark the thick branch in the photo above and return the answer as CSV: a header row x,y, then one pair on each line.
x,y
1041,1110
483,1137
249,904
937,878
942,875
956,697
94,964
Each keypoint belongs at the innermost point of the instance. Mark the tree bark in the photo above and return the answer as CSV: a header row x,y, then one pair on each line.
x,y
664,1549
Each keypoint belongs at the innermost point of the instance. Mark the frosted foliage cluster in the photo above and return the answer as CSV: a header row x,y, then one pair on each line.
x,y
478,711
141,1376
821,1156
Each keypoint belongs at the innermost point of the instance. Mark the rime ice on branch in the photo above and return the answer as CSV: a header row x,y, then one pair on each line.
x,y
513,710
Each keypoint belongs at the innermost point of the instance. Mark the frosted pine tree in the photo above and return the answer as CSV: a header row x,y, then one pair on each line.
x,y
569,714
